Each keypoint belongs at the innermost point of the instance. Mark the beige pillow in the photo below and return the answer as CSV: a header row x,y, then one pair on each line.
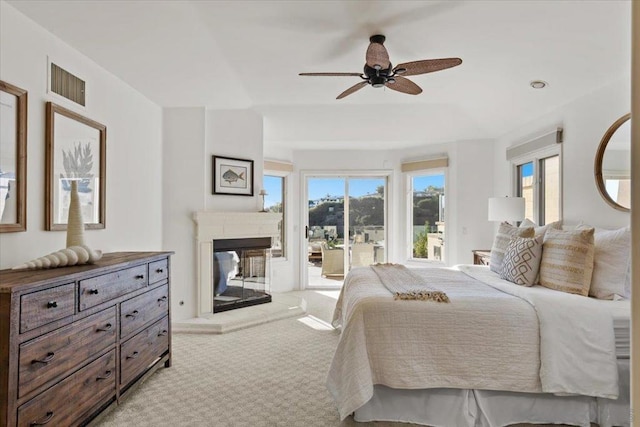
x,y
522,260
567,260
501,241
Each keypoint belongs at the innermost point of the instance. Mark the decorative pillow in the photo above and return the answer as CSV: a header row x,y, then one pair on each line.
x,y
540,230
567,260
611,263
501,241
522,260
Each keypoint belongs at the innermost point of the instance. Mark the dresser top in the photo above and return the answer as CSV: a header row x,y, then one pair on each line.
x,y
15,280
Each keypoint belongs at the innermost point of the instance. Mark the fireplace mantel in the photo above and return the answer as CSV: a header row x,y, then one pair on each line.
x,y
211,225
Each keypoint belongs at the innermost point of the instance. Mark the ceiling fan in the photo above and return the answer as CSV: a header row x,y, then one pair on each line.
x,y
378,71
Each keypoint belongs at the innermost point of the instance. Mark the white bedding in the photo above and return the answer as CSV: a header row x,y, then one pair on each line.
x,y
577,343
485,339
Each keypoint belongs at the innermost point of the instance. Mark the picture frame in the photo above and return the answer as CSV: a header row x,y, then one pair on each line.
x,y
13,158
75,150
232,176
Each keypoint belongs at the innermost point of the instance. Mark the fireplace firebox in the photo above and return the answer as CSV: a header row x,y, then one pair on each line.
x,y
240,272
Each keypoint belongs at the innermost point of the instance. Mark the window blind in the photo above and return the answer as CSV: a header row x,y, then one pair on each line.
x,y
440,162
535,144
275,165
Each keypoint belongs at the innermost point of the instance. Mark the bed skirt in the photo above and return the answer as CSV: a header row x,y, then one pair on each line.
x,y
483,408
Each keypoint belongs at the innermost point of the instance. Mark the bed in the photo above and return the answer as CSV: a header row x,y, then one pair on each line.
x,y
496,354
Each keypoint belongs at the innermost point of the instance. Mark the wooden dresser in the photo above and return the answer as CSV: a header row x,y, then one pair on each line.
x,y
73,340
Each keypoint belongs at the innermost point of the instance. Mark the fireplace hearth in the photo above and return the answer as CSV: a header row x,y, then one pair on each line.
x,y
240,273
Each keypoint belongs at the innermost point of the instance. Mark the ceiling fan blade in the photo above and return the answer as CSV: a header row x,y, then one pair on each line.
x,y
377,55
331,74
427,66
404,85
352,89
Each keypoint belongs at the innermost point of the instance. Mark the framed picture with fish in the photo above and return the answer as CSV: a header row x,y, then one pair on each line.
x,y
232,176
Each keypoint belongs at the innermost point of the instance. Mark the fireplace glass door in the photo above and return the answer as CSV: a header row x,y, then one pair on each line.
x,y
240,274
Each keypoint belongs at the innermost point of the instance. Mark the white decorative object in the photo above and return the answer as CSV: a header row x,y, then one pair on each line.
x,y
263,193
75,224
76,252
74,255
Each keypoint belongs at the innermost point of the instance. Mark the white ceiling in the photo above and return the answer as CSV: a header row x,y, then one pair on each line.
x,y
247,54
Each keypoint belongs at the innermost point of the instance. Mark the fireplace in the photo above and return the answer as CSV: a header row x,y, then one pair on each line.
x,y
240,272
212,229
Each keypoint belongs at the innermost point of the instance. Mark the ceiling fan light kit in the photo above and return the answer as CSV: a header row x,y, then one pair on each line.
x,y
379,72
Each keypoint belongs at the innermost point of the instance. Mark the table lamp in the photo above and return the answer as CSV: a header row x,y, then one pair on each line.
x,y
506,209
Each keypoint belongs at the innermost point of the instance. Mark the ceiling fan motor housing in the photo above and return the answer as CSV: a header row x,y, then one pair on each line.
x,y
377,78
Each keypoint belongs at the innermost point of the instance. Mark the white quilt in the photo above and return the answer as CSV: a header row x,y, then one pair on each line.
x,y
483,339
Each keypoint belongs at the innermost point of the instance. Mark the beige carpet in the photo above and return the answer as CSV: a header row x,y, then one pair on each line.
x,y
268,375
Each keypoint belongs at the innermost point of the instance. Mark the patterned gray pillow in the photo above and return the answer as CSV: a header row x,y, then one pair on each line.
x,y
522,260
501,241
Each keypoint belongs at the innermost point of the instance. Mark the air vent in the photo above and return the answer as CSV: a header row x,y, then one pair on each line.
x,y
66,84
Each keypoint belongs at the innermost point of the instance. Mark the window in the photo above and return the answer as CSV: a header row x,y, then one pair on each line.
x,y
427,207
538,180
274,202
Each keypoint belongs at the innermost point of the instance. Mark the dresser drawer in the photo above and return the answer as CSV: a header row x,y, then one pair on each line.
x,y
51,355
158,270
143,309
142,349
103,288
69,401
49,305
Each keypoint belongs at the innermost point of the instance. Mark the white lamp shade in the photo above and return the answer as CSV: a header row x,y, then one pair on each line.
x,y
506,208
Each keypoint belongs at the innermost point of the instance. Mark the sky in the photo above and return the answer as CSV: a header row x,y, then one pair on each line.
x,y
320,187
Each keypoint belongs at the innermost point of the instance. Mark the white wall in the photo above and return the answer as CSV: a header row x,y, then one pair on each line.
x,y
134,154
191,137
585,120
236,134
184,187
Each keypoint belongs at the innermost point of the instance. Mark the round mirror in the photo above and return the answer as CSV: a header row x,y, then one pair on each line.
x,y
613,165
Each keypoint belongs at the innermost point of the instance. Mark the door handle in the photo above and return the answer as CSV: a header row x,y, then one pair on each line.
x,y
306,231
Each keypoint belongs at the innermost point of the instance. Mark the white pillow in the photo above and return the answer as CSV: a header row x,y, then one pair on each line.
x,y
611,264
540,230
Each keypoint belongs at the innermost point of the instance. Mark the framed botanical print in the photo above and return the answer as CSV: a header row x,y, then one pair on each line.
x,y
75,151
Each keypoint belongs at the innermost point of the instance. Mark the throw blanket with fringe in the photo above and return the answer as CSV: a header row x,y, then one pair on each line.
x,y
406,285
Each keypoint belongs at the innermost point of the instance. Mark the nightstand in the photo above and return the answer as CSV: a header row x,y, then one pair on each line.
x,y
481,256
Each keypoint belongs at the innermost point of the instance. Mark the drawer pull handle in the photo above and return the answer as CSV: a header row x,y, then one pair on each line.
x,y
159,270
163,333
46,360
105,376
134,355
106,328
52,304
93,292
133,314
139,276
163,299
43,421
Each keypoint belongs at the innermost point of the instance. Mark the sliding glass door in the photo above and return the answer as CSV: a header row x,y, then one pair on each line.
x,y
345,226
